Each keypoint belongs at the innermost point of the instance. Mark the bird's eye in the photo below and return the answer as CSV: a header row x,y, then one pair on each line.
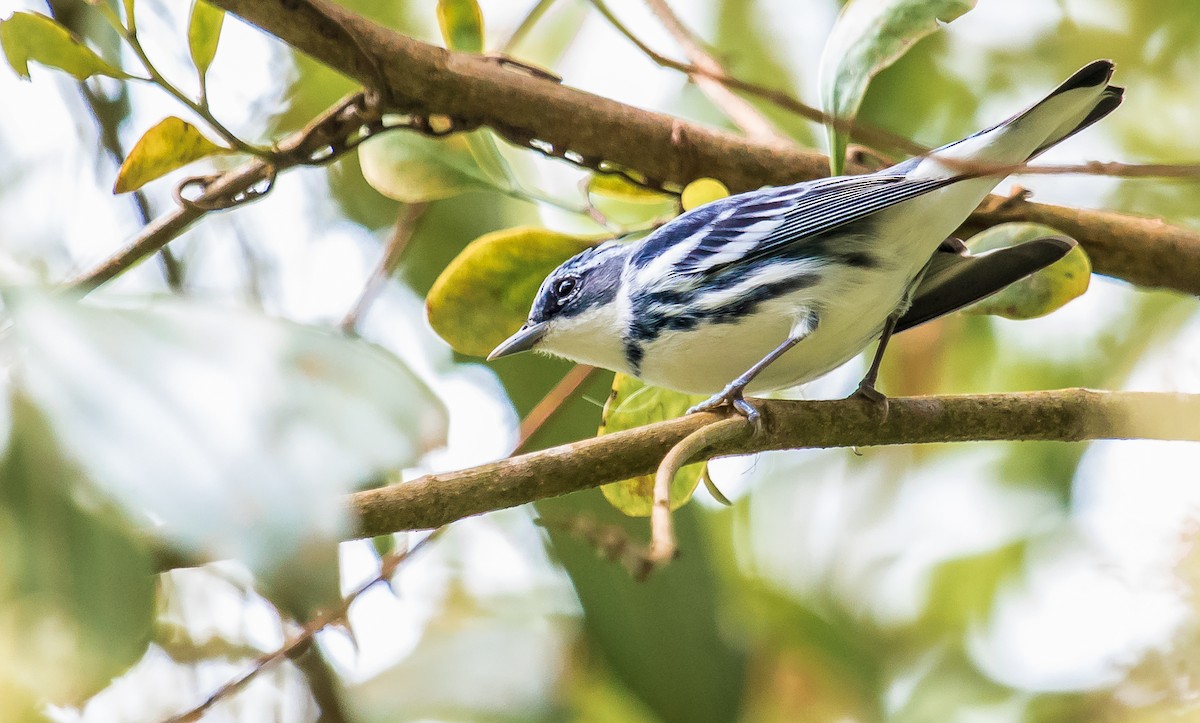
x,y
565,286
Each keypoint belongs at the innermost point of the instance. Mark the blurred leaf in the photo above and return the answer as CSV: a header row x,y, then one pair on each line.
x,y
238,434
870,35
461,22
170,145
610,185
204,33
633,404
668,639
702,191
77,591
963,590
1037,294
452,674
946,686
413,168
30,36
838,642
484,295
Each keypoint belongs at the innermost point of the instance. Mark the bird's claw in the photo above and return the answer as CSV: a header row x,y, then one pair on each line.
x,y
869,394
732,396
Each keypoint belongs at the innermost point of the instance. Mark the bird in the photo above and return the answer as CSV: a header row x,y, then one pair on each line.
x,y
772,288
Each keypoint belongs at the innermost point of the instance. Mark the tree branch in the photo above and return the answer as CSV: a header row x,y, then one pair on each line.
x,y
418,77
1066,415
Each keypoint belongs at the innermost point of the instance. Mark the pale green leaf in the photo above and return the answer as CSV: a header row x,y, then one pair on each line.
x,y
634,404
415,169
171,144
30,36
204,33
239,434
868,36
484,295
461,22
77,590
1039,293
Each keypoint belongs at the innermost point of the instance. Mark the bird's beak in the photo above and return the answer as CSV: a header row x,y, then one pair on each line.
x,y
523,340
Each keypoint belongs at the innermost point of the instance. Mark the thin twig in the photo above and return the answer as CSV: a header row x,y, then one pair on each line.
x,y
387,568
865,133
611,542
551,403
402,232
531,19
744,115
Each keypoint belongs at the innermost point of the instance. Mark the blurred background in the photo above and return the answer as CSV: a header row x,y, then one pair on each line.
x,y
974,582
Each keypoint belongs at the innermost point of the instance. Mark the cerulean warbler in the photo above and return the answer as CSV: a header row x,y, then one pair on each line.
x,y
772,288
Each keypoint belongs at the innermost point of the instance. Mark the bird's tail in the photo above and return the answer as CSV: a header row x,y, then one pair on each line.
x,y
1080,101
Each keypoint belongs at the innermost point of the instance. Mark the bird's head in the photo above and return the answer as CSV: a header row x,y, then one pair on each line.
x,y
575,313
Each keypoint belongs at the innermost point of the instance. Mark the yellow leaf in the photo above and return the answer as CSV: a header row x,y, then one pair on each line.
x,y
30,36
484,295
461,22
633,404
1039,293
702,191
610,185
171,144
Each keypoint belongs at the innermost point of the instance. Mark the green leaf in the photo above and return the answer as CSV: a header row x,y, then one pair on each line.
x,y
461,22
667,639
1037,294
633,404
484,294
77,591
30,36
204,33
261,426
415,169
868,36
171,144
963,590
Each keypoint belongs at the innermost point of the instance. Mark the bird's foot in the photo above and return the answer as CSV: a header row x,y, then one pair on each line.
x,y
733,396
868,393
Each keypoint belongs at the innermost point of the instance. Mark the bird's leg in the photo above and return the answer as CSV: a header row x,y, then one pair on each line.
x,y
733,394
866,388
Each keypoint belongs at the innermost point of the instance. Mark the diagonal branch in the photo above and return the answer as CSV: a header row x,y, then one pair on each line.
x,y
745,116
1066,415
566,122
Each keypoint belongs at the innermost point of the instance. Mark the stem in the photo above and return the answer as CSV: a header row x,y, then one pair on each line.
x,y
199,108
526,25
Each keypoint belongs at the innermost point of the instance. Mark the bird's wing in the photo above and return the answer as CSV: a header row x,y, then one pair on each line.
x,y
955,279
773,222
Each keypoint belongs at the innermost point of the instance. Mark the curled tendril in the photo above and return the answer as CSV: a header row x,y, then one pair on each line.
x,y
206,200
